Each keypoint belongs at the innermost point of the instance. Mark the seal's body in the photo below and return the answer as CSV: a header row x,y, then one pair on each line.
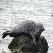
x,y
26,27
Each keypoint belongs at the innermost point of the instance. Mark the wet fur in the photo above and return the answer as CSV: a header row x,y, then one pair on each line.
x,y
26,27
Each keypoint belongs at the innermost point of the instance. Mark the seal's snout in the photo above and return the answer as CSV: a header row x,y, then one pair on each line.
x,y
43,29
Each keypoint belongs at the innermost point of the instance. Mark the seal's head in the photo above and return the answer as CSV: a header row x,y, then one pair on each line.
x,y
41,27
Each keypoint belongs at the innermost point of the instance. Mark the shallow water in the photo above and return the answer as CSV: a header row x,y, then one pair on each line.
x,y
13,12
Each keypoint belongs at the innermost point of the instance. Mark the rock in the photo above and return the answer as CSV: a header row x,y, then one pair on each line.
x,y
18,45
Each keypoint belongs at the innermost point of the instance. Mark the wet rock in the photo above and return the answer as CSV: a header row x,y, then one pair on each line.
x,y
24,44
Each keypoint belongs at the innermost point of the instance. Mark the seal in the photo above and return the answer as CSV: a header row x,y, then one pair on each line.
x,y
26,27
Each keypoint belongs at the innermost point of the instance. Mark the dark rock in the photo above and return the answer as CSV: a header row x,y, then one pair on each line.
x,y
25,44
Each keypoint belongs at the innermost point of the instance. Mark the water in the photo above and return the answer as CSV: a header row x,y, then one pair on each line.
x,y
13,12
